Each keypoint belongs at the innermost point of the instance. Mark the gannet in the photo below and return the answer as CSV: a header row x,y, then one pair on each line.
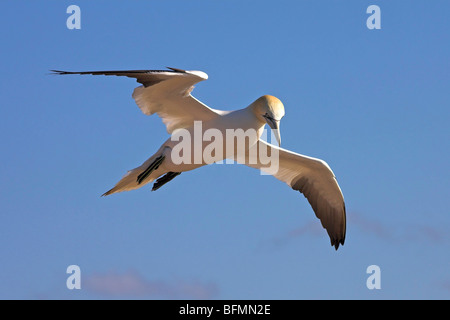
x,y
168,94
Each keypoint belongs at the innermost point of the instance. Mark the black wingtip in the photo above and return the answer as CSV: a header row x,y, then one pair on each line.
x,y
107,193
59,72
177,70
336,243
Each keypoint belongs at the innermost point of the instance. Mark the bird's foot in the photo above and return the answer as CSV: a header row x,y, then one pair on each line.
x,y
164,179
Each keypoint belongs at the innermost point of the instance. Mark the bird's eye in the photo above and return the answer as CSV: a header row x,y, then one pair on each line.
x,y
269,117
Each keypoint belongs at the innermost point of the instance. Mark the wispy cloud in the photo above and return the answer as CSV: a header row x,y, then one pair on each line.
x,y
133,284
310,228
446,285
398,233
370,226
406,232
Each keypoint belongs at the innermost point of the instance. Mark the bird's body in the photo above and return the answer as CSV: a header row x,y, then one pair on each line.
x,y
200,135
242,120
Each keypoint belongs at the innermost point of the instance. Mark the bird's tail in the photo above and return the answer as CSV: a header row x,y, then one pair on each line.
x,y
139,176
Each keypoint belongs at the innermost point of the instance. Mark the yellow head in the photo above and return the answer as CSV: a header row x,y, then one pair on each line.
x,y
269,109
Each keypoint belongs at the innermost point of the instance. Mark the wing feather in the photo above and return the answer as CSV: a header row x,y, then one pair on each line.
x,y
166,93
315,180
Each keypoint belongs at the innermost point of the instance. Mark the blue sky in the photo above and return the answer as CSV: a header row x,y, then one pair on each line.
x,y
374,104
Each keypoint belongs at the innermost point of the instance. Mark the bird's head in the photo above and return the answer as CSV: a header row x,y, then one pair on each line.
x,y
270,110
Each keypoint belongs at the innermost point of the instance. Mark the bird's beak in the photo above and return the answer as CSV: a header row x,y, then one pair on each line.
x,y
275,126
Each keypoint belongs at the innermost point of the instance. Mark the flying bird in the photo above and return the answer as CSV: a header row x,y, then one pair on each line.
x,y
168,94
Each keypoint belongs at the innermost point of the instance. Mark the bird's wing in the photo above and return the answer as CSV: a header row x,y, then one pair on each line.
x,y
166,93
312,177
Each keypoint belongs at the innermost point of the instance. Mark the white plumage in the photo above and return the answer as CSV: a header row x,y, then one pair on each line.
x,y
168,94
